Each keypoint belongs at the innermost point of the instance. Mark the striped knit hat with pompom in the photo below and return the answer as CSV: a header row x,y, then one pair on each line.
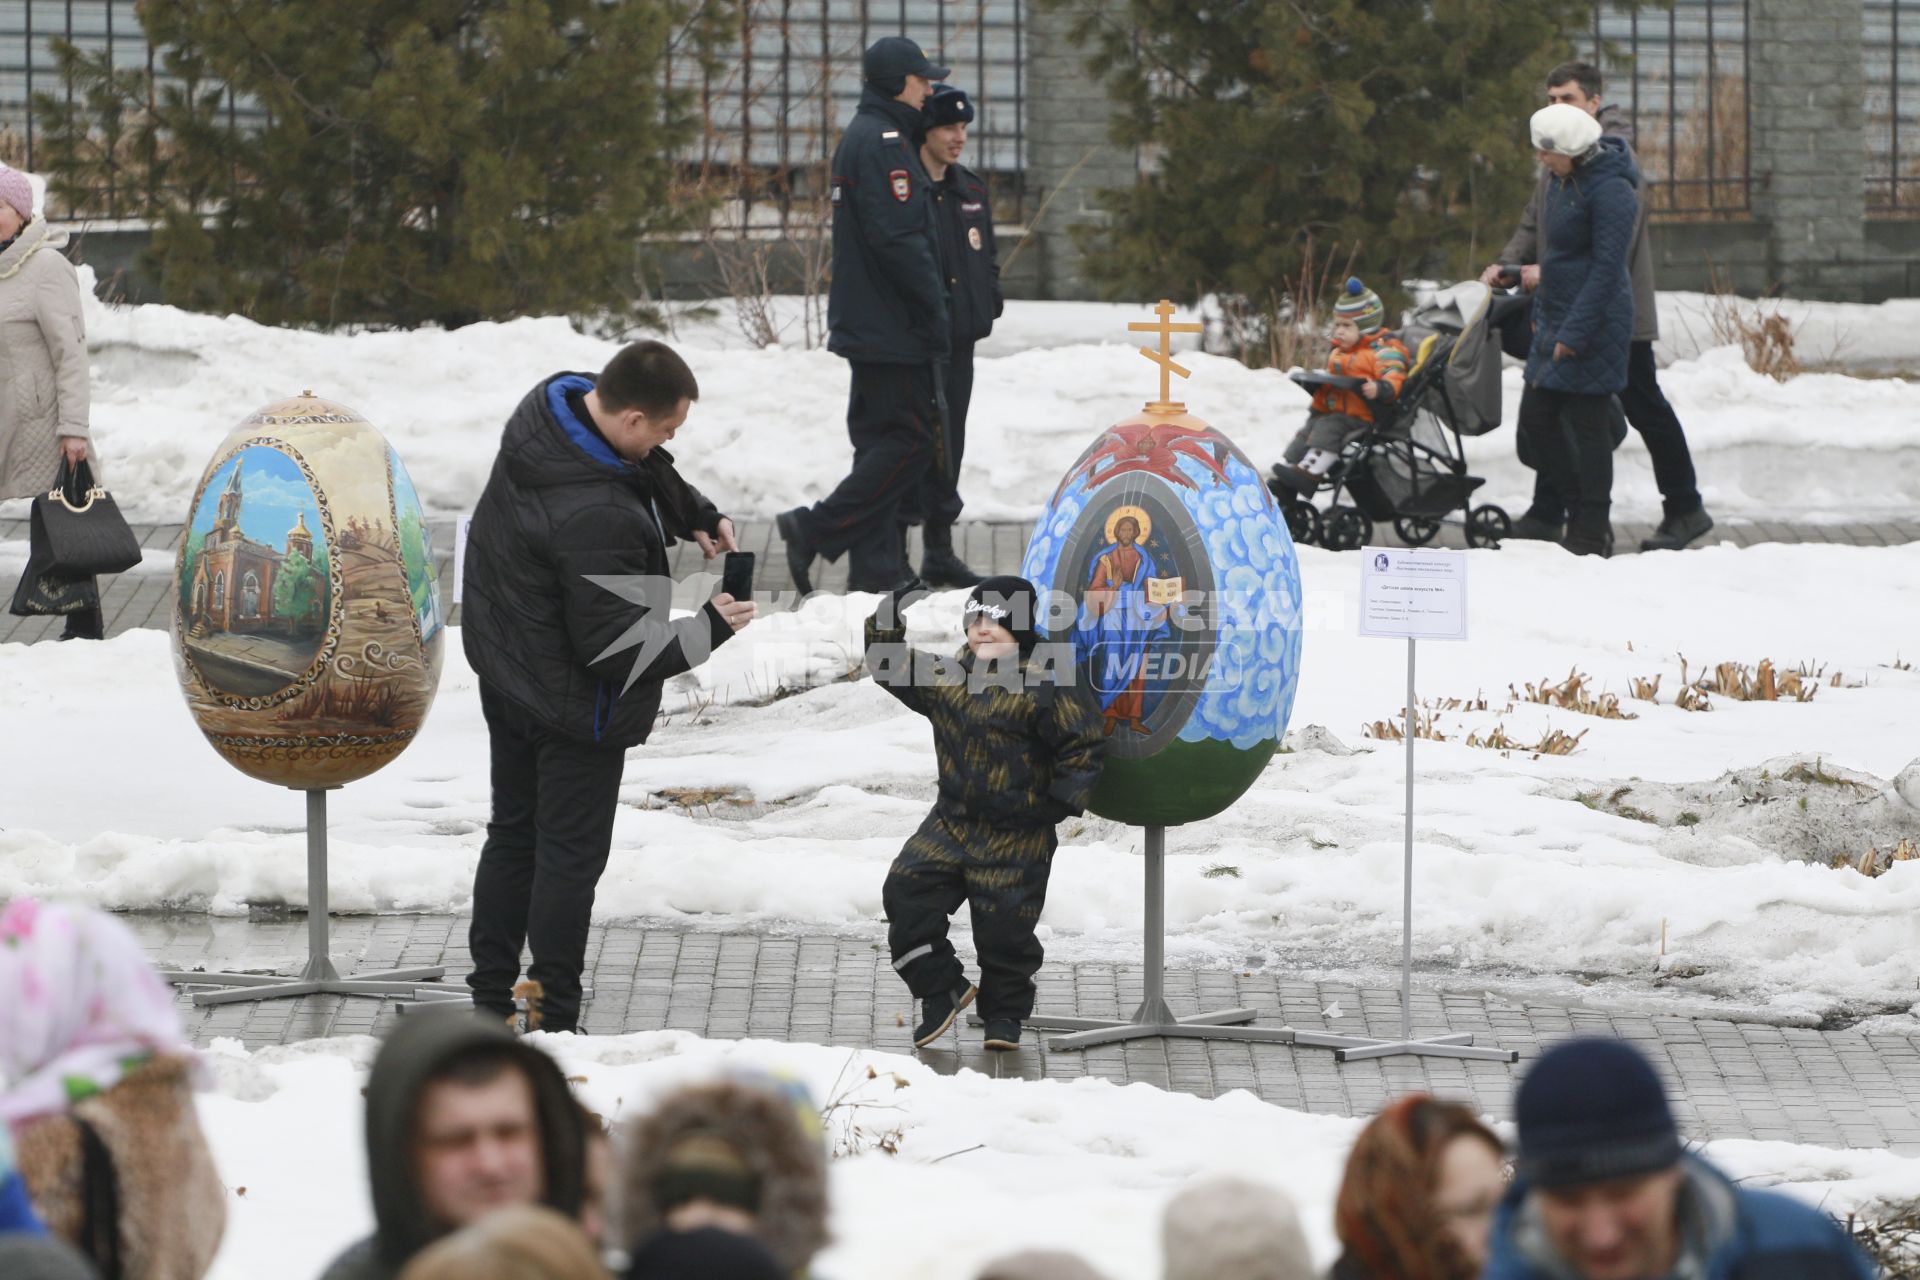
x,y
1362,306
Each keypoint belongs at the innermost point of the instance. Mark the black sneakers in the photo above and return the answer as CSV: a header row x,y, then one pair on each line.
x,y
799,550
1676,532
938,1012
1003,1035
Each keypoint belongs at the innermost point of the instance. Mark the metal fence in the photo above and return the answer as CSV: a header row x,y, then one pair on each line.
x,y
1681,76
1890,61
771,118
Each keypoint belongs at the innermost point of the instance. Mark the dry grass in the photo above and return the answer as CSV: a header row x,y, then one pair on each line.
x,y
1645,690
1698,154
1762,683
1876,862
1574,694
1554,742
1287,328
1889,1234
1760,328
1425,725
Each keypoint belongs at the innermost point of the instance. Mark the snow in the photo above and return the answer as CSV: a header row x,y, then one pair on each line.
x,y
778,788
1103,1158
770,432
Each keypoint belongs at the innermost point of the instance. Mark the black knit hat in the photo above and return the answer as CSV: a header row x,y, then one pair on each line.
x,y
1592,1110
706,1254
1012,602
946,105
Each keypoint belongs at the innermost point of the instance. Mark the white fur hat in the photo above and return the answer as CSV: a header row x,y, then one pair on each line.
x,y
1565,130
1233,1229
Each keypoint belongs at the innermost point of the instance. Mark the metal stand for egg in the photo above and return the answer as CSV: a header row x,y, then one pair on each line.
x,y
319,978
1154,1018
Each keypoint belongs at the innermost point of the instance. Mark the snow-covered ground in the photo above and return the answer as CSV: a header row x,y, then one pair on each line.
x,y
770,428
1554,875
1103,1159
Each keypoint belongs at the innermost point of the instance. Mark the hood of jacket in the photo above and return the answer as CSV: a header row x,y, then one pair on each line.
x,y
1615,122
420,1046
545,443
36,235
776,1131
1611,157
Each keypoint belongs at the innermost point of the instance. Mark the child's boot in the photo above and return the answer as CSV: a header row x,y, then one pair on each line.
x,y
938,1012
1003,1035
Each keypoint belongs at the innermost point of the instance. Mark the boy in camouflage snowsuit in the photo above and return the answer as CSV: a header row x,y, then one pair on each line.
x,y
1019,746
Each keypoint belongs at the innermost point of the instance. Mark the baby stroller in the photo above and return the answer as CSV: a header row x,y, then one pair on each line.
x,y
1410,467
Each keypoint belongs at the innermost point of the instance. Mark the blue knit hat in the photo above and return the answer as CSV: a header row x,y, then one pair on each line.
x,y
1360,305
1592,1110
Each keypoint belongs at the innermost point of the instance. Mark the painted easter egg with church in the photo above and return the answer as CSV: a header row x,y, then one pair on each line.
x,y
307,624
1186,604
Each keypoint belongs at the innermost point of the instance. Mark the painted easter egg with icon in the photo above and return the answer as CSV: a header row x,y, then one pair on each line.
x,y
1184,617
307,624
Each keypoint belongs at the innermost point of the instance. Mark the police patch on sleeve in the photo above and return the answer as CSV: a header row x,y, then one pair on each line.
x,y
973,236
902,185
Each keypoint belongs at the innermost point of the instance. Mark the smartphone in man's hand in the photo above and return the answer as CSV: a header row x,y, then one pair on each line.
x,y
736,575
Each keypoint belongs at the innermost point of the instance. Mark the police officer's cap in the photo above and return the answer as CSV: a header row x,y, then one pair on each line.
x,y
946,105
895,58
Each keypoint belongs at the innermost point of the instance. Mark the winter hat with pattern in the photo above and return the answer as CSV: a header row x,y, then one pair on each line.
x,y
1565,130
1592,1110
1360,305
1012,602
16,190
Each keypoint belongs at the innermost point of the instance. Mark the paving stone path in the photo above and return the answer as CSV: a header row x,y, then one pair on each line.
x,y
1833,1088
140,599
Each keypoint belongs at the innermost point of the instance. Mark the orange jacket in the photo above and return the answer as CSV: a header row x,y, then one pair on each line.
x,y
1379,357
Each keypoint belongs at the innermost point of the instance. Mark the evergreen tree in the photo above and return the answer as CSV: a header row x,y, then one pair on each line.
x,y
426,161
1395,126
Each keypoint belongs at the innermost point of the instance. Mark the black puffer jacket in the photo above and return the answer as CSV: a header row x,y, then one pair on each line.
x,y
560,506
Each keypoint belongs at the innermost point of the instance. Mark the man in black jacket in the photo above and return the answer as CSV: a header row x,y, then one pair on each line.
x,y
887,317
566,622
970,263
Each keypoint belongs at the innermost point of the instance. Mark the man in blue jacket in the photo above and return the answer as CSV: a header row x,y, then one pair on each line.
x,y
887,317
1605,1192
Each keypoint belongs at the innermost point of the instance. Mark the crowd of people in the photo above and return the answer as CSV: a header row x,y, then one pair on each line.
x,y
483,1165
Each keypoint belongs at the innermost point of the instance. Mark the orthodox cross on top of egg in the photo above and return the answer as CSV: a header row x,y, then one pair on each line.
x,y
1166,328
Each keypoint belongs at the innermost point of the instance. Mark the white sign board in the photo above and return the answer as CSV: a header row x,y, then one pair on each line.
x,y
1418,595
460,528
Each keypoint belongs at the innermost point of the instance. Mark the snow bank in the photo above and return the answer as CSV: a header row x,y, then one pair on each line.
x,y
750,808
769,431
1103,1158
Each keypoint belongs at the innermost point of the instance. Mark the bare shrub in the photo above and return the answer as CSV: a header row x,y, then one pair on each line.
x,y
1287,328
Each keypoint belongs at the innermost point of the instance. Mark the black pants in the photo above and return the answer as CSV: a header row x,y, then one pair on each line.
x,y
1001,873
87,624
1570,438
890,421
1659,427
554,801
940,500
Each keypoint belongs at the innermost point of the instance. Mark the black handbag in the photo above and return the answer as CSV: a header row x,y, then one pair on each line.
x,y
75,533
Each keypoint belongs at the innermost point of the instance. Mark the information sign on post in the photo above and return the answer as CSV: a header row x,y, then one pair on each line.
x,y
1415,595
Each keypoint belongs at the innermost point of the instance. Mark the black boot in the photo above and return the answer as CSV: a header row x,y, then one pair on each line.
x,y
1533,528
940,567
799,551
85,625
938,1012
1676,532
1003,1035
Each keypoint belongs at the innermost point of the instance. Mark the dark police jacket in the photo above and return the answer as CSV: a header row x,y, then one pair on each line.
x,y
887,303
968,257
561,505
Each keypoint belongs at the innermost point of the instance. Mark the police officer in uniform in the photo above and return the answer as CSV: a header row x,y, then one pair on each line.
x,y
887,317
969,261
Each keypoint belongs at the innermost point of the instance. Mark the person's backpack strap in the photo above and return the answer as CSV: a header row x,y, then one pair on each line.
x,y
100,1202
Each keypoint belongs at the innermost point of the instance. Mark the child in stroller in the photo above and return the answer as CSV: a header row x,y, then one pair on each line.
x,y
1365,370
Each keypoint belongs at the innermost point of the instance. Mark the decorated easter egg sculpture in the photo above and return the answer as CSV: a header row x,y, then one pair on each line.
x,y
1186,605
306,626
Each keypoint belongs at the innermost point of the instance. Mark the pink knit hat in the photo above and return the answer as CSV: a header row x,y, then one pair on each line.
x,y
16,191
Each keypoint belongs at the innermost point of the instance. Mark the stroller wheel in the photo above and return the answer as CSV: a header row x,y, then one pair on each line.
x,y
1487,525
1303,521
1346,529
1414,531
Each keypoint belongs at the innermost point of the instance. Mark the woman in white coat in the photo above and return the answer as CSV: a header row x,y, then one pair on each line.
x,y
43,359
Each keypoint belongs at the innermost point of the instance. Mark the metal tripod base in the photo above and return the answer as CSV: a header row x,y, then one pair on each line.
x,y
1457,1045
319,978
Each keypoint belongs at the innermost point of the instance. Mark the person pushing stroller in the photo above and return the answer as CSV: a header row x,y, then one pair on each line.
x,y
1363,348
1020,746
